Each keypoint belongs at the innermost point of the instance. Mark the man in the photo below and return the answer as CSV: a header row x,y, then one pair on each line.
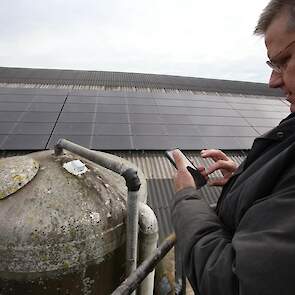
x,y
247,245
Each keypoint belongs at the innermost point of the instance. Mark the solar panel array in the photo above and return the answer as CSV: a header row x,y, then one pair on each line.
x,y
34,119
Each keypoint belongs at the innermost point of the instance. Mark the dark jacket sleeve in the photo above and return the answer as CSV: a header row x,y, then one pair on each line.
x,y
205,245
258,258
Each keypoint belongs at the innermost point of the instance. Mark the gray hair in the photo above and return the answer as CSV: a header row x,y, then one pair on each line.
x,y
271,11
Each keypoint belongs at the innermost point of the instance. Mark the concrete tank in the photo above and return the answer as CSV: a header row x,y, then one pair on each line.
x,y
60,233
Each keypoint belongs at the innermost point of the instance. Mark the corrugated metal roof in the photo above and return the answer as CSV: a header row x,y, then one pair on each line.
x,y
120,79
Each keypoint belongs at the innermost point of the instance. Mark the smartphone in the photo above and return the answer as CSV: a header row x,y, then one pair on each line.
x,y
199,179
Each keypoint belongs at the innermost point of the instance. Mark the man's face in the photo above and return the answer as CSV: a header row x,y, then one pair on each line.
x,y
281,51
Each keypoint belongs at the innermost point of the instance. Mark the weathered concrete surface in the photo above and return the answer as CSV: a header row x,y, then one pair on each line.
x,y
15,173
63,234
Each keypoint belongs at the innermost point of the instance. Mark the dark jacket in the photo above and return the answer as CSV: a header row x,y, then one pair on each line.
x,y
246,246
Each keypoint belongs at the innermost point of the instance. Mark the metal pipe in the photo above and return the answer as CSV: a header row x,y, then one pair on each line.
x,y
180,279
132,232
133,185
148,238
133,281
118,167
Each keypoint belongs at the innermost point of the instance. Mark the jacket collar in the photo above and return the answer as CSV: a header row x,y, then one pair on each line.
x,y
285,129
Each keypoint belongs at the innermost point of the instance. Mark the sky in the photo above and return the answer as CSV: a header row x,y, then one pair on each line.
x,y
196,38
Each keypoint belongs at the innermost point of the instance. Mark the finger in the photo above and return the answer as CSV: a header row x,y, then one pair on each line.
x,y
221,164
179,160
214,154
217,181
201,168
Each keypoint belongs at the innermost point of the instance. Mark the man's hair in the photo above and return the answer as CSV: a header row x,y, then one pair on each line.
x,y
271,11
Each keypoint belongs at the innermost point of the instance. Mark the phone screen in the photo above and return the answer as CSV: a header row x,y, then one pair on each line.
x,y
187,162
198,177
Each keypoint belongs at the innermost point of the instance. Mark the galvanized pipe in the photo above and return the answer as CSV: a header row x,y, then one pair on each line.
x,y
133,281
180,279
132,232
133,185
93,156
148,239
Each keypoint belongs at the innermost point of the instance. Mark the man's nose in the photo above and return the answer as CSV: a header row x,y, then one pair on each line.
x,y
275,80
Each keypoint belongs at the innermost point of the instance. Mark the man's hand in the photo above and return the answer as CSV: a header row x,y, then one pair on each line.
x,y
182,177
222,163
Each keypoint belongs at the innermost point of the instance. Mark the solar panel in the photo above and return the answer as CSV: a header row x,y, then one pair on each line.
x,y
172,110
39,117
112,108
10,116
263,114
33,91
171,103
82,99
79,107
14,106
148,129
84,92
22,128
142,109
146,118
76,117
207,97
15,98
5,127
112,118
271,108
263,122
253,100
141,101
29,106
112,142
147,142
112,129
225,142
49,98
225,131
45,107
73,128
28,116
96,100
24,142
118,120
218,121
212,112
173,119
181,130
244,142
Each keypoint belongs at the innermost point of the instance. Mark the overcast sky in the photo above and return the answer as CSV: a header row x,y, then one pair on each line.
x,y
199,38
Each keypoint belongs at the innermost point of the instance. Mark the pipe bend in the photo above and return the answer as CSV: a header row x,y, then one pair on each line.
x,y
148,222
132,179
